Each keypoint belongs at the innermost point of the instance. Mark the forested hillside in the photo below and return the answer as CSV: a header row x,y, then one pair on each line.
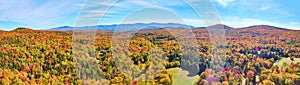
x,y
253,55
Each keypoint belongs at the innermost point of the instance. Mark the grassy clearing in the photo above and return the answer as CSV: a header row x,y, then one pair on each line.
x,y
180,77
287,61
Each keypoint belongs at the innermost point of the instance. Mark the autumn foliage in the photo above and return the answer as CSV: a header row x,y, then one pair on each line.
x,y
45,57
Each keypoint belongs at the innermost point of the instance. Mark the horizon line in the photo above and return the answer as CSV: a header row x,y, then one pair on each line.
x,y
153,23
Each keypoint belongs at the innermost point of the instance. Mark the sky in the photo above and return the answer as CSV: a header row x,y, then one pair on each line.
x,y
45,14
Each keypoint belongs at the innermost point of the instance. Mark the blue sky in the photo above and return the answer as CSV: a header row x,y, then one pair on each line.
x,y
44,14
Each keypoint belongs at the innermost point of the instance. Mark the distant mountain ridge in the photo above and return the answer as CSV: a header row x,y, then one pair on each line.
x,y
266,27
254,27
153,26
125,27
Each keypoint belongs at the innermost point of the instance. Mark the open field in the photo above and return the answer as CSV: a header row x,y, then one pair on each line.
x,y
180,77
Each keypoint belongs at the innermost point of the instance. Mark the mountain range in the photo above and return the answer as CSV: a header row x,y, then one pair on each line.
x,y
153,26
125,27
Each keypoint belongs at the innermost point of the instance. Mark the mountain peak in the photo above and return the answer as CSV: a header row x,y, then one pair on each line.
x,y
22,29
219,26
267,27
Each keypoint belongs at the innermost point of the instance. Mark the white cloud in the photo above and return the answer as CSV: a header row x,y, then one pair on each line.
x,y
224,2
79,4
95,9
37,13
294,23
255,6
195,22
